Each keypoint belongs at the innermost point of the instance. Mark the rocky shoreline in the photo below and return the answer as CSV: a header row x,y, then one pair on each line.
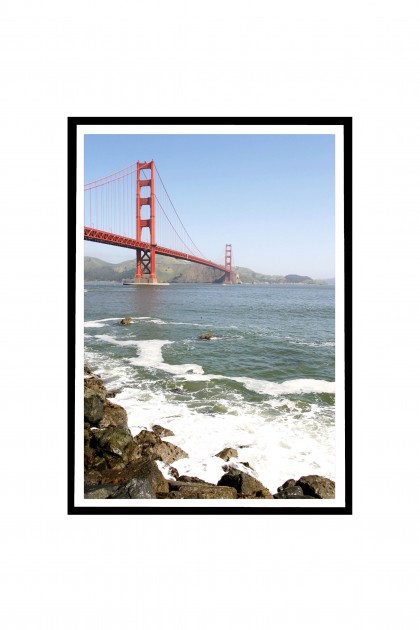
x,y
120,466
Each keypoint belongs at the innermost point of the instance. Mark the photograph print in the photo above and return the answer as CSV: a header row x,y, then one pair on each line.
x,y
210,368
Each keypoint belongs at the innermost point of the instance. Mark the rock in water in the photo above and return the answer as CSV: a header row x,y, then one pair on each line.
x,y
227,454
318,487
153,447
138,480
94,403
113,416
206,336
126,320
293,491
161,431
247,486
115,445
286,484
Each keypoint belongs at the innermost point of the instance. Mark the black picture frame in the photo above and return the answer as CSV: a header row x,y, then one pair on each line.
x,y
73,424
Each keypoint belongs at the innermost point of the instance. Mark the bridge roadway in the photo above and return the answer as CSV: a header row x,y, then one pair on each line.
x,y
91,234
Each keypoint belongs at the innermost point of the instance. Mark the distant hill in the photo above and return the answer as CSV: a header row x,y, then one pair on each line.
x,y
168,270
294,278
247,276
171,270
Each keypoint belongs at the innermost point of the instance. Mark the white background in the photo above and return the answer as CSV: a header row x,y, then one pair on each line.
x,y
188,58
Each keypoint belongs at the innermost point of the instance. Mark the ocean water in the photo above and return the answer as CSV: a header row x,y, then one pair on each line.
x,y
263,385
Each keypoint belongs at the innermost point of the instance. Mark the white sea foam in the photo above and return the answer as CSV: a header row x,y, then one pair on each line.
x,y
139,318
100,323
297,386
287,447
291,444
165,469
313,344
279,438
116,342
189,324
149,355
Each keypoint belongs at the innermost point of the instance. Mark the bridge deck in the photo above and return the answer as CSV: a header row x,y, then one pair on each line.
x,y
91,234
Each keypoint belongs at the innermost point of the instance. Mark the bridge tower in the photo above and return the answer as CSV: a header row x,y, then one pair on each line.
x,y
146,259
228,265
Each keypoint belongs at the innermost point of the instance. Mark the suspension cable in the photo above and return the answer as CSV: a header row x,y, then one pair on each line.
x,y
186,231
110,175
180,238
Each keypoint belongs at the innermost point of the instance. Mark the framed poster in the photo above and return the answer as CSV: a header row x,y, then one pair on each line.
x,y
210,336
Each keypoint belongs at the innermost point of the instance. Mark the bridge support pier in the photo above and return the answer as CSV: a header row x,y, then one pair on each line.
x,y
146,259
146,265
229,273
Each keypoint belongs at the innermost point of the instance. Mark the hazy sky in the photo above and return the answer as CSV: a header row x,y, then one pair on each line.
x,y
271,196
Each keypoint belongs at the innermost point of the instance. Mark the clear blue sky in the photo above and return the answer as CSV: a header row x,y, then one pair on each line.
x,y
271,196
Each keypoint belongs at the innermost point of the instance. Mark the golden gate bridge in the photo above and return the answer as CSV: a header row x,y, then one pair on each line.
x,y
131,208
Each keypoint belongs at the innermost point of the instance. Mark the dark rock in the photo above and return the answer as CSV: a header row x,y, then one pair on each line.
x,y
94,403
168,453
136,488
116,446
136,480
109,447
246,485
190,480
317,486
161,431
113,416
99,492
146,438
206,336
186,490
154,448
279,495
227,453
286,484
93,477
114,392
293,491
91,458
126,320
173,472
108,443
94,383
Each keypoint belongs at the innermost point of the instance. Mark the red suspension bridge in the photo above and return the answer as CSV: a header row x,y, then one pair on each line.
x,y
109,204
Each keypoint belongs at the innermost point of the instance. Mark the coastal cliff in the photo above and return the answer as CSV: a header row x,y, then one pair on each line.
x,y
177,271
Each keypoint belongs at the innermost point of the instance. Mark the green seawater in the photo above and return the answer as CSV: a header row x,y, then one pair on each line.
x,y
270,365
